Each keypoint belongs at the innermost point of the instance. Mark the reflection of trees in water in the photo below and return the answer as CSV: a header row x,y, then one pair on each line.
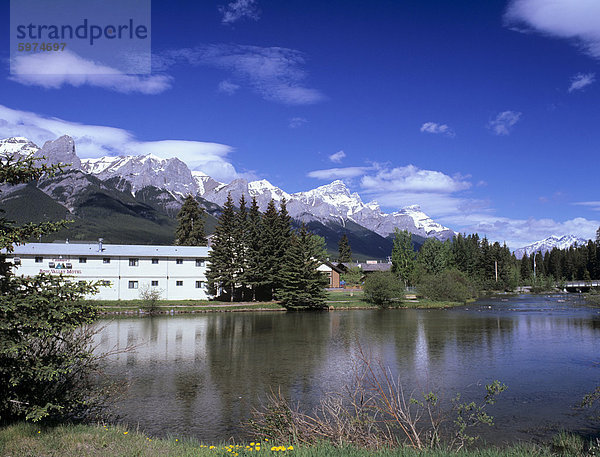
x,y
251,354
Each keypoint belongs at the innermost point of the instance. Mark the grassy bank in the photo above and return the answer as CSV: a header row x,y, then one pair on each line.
x,y
183,306
25,440
337,300
354,299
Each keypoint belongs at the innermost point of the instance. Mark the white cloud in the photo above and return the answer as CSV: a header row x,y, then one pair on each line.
x,y
504,122
339,173
297,122
581,80
52,70
520,232
412,179
577,20
228,87
432,127
337,157
239,9
594,205
96,141
277,74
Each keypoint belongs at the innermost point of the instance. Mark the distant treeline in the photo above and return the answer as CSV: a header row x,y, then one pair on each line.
x,y
491,266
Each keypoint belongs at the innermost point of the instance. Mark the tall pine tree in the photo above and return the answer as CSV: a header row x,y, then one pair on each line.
x,y
270,250
241,245
302,284
253,275
222,272
344,250
190,224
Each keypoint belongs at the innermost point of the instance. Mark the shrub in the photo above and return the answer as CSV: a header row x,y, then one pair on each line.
x,y
46,360
450,285
150,297
383,289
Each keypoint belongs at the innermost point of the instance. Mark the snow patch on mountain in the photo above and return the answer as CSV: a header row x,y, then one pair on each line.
x,y
17,145
547,244
422,220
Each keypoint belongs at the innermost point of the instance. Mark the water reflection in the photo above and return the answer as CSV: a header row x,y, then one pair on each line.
x,y
201,375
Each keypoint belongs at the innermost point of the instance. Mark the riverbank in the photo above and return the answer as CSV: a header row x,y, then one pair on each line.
x,y
344,299
25,439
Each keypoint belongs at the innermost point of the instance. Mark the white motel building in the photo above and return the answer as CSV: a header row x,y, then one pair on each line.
x,y
178,272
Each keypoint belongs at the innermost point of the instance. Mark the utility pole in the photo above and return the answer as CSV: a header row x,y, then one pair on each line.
x,y
496,268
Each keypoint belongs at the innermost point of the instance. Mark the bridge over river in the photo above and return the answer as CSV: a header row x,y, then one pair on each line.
x,y
581,286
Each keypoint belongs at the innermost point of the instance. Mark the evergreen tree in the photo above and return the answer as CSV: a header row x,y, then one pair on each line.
x,y
190,224
253,274
526,268
403,255
46,361
344,250
241,237
222,272
302,284
270,250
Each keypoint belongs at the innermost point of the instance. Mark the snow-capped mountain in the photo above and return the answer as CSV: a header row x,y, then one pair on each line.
x,y
142,171
325,204
547,244
17,145
61,150
332,202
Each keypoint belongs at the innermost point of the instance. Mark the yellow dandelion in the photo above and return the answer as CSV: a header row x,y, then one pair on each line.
x,y
290,448
125,433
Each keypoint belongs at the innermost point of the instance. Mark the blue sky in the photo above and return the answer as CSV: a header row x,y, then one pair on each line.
x,y
484,113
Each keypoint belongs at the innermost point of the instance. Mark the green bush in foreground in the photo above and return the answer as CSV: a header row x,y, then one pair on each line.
x,y
451,285
384,289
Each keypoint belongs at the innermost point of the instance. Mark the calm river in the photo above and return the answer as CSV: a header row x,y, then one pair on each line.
x,y
200,375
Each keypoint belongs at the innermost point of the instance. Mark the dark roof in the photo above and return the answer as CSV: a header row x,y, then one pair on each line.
x,y
368,267
333,267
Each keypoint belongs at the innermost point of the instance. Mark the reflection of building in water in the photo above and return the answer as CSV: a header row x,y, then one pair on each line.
x,y
178,272
147,340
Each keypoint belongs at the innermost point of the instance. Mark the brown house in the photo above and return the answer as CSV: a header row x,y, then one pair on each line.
x,y
333,272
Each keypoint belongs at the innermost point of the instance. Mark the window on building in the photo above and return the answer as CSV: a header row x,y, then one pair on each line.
x,y
134,262
106,260
179,283
68,266
51,264
199,284
154,261
17,261
39,259
133,284
179,261
200,263
82,259
154,283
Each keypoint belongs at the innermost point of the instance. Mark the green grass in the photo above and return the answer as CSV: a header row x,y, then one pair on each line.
x,y
183,306
348,298
337,299
29,440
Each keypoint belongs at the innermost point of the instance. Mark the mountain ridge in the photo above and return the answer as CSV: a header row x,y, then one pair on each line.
x,y
549,243
329,205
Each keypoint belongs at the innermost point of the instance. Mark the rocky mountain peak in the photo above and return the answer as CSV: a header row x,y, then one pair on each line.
x,y
61,150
